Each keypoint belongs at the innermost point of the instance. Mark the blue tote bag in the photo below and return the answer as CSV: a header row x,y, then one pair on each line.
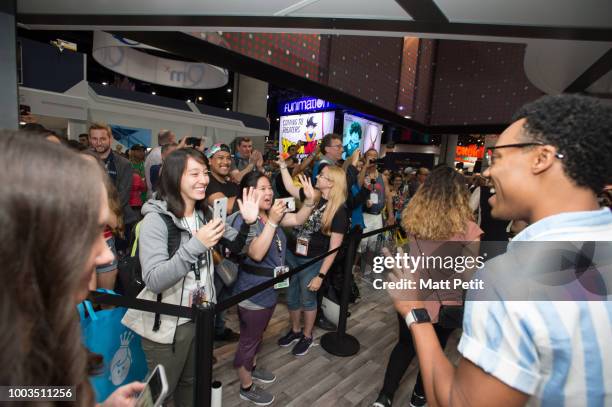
x,y
104,334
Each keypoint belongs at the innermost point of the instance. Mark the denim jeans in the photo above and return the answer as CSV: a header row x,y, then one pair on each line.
x,y
298,294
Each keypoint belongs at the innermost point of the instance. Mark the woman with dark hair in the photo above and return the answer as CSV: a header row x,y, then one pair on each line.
x,y
438,212
265,256
51,225
186,275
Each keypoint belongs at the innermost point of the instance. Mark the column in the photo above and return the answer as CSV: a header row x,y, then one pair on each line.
x,y
250,97
448,149
9,100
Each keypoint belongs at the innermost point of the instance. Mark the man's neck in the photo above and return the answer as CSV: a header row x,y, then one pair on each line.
x,y
562,200
330,158
218,177
105,155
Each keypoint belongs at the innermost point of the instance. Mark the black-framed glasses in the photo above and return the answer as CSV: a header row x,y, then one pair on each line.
x,y
489,153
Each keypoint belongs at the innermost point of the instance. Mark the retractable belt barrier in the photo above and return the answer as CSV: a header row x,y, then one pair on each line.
x,y
338,343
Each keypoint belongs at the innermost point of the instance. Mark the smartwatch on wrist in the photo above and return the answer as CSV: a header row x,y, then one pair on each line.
x,y
417,316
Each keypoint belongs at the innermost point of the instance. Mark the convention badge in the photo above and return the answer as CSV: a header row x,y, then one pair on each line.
x,y
302,246
374,198
277,272
198,296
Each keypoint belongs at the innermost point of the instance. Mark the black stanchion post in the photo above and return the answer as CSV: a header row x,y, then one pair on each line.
x,y
340,343
204,316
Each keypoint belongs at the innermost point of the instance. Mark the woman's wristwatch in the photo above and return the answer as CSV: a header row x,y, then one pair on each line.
x,y
321,276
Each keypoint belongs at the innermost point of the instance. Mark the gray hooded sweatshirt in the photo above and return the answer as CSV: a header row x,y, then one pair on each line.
x,y
173,277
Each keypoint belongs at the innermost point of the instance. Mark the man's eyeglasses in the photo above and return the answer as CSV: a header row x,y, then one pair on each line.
x,y
489,155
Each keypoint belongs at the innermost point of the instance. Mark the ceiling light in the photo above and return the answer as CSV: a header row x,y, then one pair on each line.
x,y
188,100
22,123
229,90
200,98
104,83
153,93
407,117
401,108
227,108
267,96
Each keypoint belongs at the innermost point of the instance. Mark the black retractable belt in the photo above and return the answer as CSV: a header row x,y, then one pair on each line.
x,y
256,270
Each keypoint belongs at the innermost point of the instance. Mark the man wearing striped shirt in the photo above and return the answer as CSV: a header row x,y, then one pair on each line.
x,y
547,169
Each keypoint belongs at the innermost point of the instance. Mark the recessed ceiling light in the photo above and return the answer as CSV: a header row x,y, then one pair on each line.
x,y
188,100
229,90
153,93
104,83
407,117
200,98
227,108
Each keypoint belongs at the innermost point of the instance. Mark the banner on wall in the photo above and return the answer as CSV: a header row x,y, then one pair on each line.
x,y
128,136
305,128
360,133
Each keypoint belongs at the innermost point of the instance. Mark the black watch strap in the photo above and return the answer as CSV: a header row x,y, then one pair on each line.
x,y
322,275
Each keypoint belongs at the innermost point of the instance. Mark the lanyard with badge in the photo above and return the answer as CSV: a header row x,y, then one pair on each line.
x,y
303,238
198,295
279,270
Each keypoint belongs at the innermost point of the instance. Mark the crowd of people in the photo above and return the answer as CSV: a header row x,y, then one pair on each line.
x,y
549,173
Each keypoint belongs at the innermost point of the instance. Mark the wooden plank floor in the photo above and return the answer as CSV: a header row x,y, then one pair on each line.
x,y
321,379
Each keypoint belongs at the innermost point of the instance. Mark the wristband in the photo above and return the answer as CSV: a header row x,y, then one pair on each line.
x,y
274,225
310,205
283,167
321,276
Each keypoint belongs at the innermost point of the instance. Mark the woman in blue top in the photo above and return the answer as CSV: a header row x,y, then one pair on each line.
x,y
265,252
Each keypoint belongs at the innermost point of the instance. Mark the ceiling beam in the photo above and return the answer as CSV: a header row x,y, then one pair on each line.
x,y
174,23
601,67
423,10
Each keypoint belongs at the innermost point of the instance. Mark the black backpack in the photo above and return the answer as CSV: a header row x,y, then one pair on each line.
x,y
129,281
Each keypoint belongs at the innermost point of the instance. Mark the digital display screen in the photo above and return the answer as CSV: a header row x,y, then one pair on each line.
x,y
362,133
306,129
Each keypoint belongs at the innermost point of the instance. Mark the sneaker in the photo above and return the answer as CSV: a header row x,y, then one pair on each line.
x,y
301,348
289,338
325,324
228,336
382,401
417,400
263,375
256,395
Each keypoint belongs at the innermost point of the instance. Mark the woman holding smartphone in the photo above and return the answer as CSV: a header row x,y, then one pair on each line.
x,y
265,257
185,276
323,231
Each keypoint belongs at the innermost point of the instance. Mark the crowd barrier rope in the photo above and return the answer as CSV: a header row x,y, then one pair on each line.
x,y
337,343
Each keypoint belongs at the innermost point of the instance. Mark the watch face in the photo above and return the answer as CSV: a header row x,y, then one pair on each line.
x,y
421,315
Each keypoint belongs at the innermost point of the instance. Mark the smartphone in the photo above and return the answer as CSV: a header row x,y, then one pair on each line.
x,y
156,389
193,141
220,209
289,203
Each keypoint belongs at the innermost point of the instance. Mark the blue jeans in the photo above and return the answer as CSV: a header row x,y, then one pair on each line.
x,y
298,295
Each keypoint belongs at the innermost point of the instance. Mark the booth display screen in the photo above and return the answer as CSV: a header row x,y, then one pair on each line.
x,y
306,128
360,133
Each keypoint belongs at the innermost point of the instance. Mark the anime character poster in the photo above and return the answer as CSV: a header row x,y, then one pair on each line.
x,y
305,128
360,133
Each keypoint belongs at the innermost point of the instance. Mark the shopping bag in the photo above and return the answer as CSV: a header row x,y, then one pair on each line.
x,y
104,334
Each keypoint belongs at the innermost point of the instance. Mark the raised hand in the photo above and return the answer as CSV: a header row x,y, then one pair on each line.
x,y
308,188
277,211
211,233
249,205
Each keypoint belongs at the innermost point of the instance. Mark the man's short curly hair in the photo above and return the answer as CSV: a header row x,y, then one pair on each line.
x,y
580,127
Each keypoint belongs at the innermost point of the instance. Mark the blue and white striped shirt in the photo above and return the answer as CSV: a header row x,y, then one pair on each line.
x,y
559,352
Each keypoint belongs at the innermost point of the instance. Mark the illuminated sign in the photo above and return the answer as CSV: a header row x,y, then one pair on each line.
x,y
304,105
472,150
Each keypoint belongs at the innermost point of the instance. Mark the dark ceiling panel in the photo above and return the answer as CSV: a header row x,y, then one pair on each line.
x,y
423,10
494,30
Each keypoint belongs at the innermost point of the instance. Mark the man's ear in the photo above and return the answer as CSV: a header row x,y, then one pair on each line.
x,y
544,159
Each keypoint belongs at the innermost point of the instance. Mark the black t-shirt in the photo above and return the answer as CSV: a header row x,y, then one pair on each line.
x,y
229,189
319,243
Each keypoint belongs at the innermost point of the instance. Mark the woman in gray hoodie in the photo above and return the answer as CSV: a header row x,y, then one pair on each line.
x,y
186,273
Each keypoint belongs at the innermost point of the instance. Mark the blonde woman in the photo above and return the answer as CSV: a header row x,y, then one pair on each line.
x,y
323,231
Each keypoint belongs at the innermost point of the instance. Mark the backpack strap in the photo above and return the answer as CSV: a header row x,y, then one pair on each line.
x,y
174,242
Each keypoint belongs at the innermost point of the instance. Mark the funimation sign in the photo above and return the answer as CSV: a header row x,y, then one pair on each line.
x,y
304,105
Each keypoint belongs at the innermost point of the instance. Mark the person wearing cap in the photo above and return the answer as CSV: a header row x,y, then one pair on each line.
x,y
220,186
